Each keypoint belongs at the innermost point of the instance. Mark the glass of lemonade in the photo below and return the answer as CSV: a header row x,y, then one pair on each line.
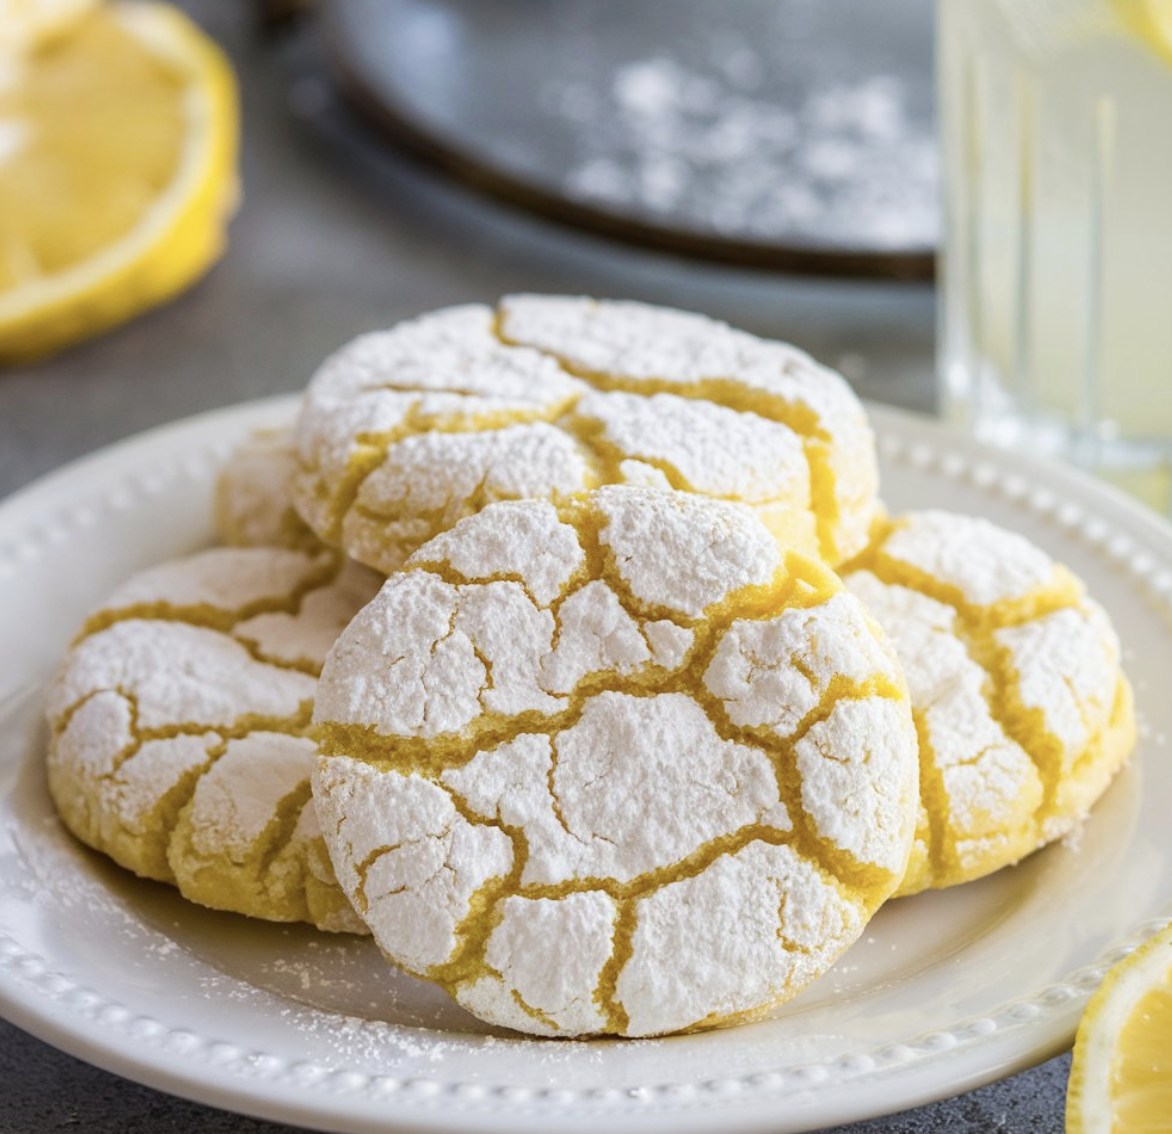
x,y
1056,130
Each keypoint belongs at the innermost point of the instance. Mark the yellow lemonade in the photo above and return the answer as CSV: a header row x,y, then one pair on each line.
x,y
1056,128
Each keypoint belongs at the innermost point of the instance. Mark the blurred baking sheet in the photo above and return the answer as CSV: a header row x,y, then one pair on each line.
x,y
796,135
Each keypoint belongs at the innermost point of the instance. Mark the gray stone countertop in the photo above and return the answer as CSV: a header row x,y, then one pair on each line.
x,y
333,240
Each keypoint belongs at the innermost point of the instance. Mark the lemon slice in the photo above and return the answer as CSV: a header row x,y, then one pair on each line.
x,y
1121,1078
117,173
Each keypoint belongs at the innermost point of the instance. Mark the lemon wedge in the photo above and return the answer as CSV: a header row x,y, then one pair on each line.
x,y
117,172
1121,1077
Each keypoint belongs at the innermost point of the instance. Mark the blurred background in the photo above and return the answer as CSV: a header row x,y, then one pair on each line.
x,y
199,202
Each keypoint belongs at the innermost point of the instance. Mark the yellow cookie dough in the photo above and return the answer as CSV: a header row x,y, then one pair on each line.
x,y
615,766
403,432
180,728
1023,712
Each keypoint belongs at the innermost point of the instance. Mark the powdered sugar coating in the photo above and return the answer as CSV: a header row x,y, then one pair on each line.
x,y
522,543
850,765
982,779
734,959
1066,664
235,582
771,673
982,562
574,734
302,637
428,481
1023,712
179,722
706,448
253,503
596,635
677,553
404,432
645,348
174,672
432,657
538,992
413,863
580,795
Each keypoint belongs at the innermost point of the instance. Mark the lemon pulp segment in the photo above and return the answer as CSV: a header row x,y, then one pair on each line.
x,y
1121,1077
1141,1072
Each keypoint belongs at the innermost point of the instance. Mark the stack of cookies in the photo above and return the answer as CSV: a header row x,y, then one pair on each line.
x,y
567,649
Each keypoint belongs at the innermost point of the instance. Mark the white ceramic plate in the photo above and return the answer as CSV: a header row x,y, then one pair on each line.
x,y
944,992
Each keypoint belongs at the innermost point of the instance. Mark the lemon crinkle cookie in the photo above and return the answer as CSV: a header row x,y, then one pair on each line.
x,y
615,766
405,431
180,721
1023,712
253,503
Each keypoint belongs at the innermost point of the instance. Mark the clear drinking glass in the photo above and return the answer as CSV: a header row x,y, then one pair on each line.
x,y
1056,129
